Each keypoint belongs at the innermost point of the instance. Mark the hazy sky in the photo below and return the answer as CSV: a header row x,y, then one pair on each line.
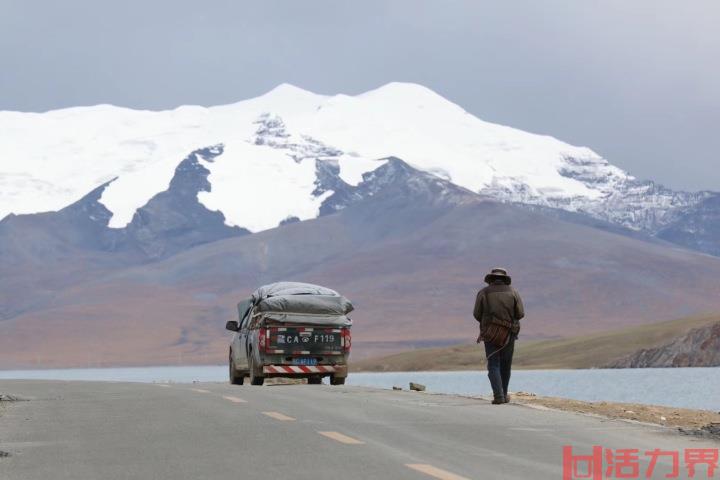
x,y
636,80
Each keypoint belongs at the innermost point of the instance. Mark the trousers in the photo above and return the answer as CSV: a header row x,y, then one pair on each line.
x,y
499,366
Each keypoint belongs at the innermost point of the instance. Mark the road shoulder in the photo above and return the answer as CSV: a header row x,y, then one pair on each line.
x,y
682,420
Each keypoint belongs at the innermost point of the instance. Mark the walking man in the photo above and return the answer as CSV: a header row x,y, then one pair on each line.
x,y
498,308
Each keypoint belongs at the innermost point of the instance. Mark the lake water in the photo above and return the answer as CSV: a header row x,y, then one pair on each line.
x,y
678,387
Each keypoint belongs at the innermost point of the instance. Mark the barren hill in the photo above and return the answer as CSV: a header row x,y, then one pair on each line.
x,y
411,260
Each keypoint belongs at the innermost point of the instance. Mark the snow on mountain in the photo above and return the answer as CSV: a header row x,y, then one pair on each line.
x,y
276,148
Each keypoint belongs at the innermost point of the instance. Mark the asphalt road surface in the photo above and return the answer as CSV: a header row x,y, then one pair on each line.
x,y
99,431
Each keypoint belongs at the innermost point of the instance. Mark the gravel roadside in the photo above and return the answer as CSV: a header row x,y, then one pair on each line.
x,y
695,422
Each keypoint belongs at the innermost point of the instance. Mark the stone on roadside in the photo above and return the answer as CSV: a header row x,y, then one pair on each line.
x,y
395,387
417,387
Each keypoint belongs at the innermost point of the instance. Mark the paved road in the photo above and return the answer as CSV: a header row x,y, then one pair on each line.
x,y
108,431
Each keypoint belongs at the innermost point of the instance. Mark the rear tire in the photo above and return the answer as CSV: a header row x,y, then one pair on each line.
x,y
314,380
337,380
235,379
255,379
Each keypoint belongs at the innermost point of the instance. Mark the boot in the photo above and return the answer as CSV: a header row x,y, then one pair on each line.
x,y
498,400
507,398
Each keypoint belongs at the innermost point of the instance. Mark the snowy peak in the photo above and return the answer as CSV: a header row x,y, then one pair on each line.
x,y
411,95
289,92
274,147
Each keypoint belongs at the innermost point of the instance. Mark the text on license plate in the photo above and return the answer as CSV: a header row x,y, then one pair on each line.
x,y
305,361
305,338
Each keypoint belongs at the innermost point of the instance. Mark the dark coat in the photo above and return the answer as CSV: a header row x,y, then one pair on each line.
x,y
501,302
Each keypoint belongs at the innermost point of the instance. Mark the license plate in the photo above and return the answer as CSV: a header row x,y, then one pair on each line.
x,y
308,362
308,339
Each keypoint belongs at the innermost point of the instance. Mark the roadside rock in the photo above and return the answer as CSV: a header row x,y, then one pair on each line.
x,y
713,429
417,387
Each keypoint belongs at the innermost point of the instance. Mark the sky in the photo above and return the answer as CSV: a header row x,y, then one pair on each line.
x,y
637,81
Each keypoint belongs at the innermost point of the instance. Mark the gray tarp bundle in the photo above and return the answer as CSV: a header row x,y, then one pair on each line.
x,y
291,288
300,303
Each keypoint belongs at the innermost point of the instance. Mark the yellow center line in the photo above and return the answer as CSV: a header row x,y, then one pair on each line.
x,y
234,399
339,437
279,416
434,471
200,390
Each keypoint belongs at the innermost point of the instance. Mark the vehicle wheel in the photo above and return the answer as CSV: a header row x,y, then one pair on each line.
x,y
255,379
337,380
314,380
235,379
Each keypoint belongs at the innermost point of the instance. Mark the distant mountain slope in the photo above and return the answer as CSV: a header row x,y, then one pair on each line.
x,y
43,253
698,348
40,254
174,220
696,227
411,256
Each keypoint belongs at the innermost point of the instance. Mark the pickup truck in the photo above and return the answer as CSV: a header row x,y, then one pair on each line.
x,y
290,329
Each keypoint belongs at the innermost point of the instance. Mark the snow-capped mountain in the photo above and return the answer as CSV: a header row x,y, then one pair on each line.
x,y
292,154
139,230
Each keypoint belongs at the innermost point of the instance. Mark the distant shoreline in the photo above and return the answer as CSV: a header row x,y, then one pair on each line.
x,y
593,351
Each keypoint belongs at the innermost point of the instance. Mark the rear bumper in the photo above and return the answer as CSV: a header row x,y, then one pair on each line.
x,y
304,370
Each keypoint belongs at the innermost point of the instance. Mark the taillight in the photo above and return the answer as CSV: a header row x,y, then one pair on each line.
x,y
347,339
262,339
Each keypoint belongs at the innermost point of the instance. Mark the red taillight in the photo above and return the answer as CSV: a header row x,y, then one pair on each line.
x,y
262,339
347,339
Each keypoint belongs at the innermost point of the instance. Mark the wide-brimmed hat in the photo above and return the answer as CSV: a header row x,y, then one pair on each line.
x,y
498,273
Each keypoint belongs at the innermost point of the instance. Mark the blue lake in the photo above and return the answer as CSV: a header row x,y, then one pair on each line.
x,y
678,387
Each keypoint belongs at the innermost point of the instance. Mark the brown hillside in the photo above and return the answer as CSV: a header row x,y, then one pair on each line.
x,y
412,267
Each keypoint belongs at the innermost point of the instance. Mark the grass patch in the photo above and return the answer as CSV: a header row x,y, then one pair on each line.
x,y
587,351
